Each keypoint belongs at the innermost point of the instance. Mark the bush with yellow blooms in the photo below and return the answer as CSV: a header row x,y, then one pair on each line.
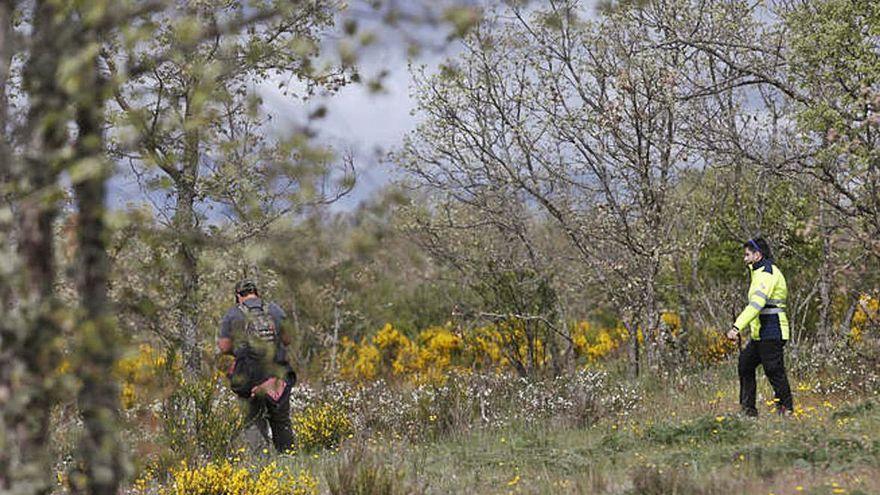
x,y
139,373
595,343
228,478
865,318
321,426
390,353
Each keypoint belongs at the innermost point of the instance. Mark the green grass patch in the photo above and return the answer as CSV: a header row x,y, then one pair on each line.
x,y
705,429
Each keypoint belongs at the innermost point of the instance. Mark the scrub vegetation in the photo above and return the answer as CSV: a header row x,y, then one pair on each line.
x,y
593,431
536,300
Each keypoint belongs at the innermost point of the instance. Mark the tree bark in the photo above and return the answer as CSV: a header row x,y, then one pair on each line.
x,y
186,227
7,50
187,253
336,325
100,452
29,346
633,350
825,271
846,323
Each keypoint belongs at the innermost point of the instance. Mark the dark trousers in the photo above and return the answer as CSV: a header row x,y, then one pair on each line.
x,y
769,354
267,414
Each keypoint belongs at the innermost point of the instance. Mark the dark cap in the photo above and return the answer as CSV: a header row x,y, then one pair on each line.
x,y
246,287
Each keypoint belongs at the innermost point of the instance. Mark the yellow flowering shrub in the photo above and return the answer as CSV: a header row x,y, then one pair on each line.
x,y
439,349
390,353
359,361
515,338
137,372
321,426
672,321
390,341
708,346
397,352
866,316
227,478
596,343
408,360
440,341
483,349
389,337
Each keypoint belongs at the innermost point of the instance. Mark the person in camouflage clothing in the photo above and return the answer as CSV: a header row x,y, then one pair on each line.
x,y
253,331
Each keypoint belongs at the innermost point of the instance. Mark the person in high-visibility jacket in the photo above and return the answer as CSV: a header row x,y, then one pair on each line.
x,y
769,330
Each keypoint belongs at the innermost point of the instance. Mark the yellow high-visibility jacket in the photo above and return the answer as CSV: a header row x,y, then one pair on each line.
x,y
765,314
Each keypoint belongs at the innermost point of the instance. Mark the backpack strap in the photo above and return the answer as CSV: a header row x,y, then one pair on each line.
x,y
245,309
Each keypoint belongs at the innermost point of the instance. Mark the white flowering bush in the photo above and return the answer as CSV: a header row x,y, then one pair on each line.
x,y
580,398
839,368
467,400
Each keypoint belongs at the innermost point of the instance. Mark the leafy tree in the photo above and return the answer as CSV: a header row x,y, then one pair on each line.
x,y
812,69
194,134
592,123
57,76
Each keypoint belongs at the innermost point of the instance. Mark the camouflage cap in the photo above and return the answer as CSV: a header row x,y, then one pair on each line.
x,y
246,287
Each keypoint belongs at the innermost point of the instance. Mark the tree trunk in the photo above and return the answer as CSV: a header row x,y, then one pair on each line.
x,y
846,323
187,253
336,325
187,258
531,335
688,325
7,50
633,350
101,454
652,340
29,345
553,351
653,344
7,330
825,272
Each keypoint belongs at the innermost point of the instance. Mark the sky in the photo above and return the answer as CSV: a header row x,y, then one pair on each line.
x,y
370,125
367,124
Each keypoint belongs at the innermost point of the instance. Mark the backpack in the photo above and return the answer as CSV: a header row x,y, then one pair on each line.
x,y
258,323
249,368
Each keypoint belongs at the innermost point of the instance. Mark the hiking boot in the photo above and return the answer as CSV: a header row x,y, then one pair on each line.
x,y
748,412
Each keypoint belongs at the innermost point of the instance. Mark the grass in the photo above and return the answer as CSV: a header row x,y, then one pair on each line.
x,y
684,438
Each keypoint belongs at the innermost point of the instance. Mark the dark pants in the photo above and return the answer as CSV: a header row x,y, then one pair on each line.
x,y
767,353
266,413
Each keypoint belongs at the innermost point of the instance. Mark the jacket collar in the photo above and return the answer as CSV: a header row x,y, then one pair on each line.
x,y
766,264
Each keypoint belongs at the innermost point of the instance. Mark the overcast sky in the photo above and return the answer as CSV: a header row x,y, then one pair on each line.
x,y
367,124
